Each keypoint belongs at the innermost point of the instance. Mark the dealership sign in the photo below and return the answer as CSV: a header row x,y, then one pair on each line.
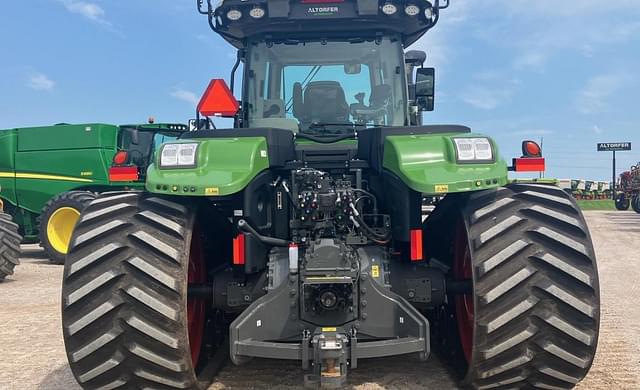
x,y
614,146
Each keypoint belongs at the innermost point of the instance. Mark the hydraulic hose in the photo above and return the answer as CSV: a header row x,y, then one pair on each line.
x,y
244,226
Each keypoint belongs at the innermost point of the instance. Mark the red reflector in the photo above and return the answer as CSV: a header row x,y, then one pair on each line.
x,y
529,164
121,157
218,100
123,174
416,245
238,250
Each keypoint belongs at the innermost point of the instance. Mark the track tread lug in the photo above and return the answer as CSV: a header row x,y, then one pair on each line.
x,y
124,318
536,284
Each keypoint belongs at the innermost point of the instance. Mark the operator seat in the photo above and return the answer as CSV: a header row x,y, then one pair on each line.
x,y
324,102
379,101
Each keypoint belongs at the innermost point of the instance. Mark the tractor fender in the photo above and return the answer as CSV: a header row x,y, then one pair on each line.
x,y
223,166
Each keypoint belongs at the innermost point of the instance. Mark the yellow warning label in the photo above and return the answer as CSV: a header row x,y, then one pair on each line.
x,y
375,271
442,188
329,329
212,191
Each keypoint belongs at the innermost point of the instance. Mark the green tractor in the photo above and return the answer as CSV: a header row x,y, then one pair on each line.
x,y
299,235
48,176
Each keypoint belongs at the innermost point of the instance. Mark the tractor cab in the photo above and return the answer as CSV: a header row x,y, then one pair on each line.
x,y
327,66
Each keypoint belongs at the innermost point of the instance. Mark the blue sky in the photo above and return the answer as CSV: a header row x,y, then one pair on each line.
x,y
565,71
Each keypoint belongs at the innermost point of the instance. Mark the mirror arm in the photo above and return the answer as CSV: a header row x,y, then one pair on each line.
x,y
200,4
232,81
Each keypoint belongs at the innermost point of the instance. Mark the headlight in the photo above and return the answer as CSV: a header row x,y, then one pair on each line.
x,y
178,155
473,149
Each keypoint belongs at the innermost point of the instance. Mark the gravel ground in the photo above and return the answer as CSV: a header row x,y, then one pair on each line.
x,y
32,352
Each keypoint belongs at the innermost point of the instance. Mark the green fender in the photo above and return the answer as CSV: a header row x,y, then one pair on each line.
x,y
427,163
224,166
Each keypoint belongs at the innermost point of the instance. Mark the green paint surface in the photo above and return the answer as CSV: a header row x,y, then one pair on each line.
x,y
38,163
427,164
224,166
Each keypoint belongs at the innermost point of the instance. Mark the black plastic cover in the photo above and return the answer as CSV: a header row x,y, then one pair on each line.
x,y
279,141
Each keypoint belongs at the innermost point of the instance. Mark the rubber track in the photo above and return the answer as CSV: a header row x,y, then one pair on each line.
x,y
537,296
79,200
124,295
9,245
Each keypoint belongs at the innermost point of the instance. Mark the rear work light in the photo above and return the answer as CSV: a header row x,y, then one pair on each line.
x,y
123,174
389,9
257,12
234,15
412,10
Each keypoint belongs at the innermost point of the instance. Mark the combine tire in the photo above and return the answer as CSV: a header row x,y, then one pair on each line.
x,y
635,203
9,246
533,318
127,322
57,221
622,202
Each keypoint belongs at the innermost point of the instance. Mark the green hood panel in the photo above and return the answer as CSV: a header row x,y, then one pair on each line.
x,y
224,166
427,164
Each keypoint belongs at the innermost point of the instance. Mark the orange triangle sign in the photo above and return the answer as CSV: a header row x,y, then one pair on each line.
x,y
218,100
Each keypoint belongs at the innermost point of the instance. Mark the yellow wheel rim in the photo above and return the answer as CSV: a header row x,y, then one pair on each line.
x,y
60,227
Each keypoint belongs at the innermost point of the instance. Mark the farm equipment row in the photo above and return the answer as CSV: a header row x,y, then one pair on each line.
x,y
586,189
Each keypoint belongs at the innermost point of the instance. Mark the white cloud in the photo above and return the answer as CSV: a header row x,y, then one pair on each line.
x,y
534,132
597,129
436,43
534,60
490,89
593,98
541,30
40,82
185,96
555,8
91,11
485,98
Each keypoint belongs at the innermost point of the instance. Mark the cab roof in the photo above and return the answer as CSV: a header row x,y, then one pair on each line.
x,y
240,20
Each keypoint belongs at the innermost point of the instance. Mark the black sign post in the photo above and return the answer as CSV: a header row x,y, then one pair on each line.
x,y
614,147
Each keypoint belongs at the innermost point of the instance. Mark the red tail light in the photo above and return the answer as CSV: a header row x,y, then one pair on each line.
x,y
121,158
416,245
123,174
238,250
529,164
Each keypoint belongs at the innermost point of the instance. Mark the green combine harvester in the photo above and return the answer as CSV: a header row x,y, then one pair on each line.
x,y
48,176
298,234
